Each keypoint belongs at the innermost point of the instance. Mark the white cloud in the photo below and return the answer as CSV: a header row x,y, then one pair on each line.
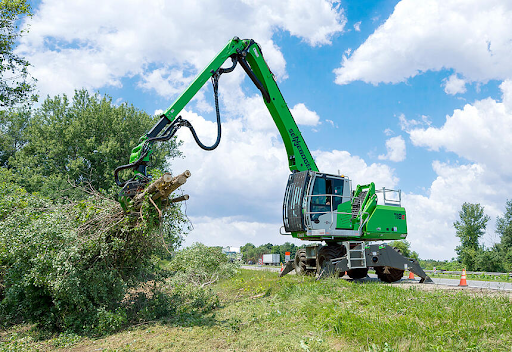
x,y
388,131
431,218
454,85
407,125
304,116
472,37
239,187
166,82
233,231
479,132
355,167
246,174
95,44
332,123
395,149
357,26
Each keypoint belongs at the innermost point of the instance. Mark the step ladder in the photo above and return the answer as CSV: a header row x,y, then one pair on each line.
x,y
356,254
356,204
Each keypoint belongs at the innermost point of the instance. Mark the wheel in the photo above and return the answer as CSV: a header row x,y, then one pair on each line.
x,y
326,253
389,274
300,262
358,273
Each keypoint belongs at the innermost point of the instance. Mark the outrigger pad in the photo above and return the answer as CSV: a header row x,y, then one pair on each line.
x,y
384,255
290,265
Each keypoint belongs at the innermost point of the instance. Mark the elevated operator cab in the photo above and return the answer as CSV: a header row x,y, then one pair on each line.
x,y
313,201
320,206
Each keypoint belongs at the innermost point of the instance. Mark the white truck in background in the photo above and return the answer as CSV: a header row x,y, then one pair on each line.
x,y
271,259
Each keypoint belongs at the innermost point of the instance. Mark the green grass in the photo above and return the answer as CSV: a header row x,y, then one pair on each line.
x,y
260,312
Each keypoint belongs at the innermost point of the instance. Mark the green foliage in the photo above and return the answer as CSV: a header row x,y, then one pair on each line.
x,y
201,265
469,228
70,267
449,265
12,126
504,230
81,142
504,226
15,82
489,260
188,291
405,248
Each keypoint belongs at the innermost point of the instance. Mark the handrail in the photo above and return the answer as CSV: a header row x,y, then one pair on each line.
x,y
338,212
395,202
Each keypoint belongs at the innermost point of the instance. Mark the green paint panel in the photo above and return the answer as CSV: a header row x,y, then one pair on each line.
x,y
386,222
343,221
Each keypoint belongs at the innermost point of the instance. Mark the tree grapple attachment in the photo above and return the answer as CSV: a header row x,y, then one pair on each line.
x,y
157,192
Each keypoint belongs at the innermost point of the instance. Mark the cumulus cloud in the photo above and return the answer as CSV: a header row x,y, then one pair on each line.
x,y
356,168
431,217
96,44
471,37
357,26
246,174
480,132
235,232
304,116
454,85
239,187
395,149
407,125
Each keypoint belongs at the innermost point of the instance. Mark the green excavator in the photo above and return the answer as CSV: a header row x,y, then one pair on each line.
x,y
317,206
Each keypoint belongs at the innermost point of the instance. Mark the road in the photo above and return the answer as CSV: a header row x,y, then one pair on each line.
x,y
501,286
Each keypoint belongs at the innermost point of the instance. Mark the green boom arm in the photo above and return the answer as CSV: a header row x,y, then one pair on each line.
x,y
248,54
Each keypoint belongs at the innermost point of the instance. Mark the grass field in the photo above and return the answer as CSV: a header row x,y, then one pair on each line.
x,y
260,312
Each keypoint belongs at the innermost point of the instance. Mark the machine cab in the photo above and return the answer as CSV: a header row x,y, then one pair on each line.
x,y
312,200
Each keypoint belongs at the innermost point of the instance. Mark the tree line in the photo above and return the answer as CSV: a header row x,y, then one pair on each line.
x,y
471,226
251,253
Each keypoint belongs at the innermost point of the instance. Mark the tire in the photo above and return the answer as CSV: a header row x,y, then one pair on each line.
x,y
389,274
300,262
326,253
358,273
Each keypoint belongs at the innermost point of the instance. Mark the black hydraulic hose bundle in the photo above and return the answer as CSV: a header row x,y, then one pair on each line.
x,y
171,130
179,122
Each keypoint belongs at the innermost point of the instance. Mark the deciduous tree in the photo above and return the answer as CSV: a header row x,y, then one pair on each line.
x,y
16,84
504,229
82,141
469,228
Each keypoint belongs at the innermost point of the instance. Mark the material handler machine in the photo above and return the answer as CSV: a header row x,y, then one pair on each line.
x,y
317,206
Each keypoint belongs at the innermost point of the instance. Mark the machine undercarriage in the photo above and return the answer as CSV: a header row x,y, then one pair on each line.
x,y
353,258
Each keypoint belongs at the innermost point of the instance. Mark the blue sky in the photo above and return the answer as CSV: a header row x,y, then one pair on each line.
x,y
411,95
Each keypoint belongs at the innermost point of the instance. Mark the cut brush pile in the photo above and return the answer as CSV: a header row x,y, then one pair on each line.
x,y
80,266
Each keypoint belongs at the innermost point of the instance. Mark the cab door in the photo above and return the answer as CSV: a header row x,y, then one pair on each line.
x,y
325,194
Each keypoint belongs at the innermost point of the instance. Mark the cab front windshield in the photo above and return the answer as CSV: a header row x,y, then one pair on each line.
x,y
326,196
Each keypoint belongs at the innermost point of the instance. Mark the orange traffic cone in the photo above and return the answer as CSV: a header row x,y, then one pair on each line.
x,y
411,275
282,267
463,282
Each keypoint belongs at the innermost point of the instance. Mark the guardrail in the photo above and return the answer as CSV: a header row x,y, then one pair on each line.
x,y
468,272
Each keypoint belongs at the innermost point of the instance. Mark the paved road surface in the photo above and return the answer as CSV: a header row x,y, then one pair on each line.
x,y
505,286
502,286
